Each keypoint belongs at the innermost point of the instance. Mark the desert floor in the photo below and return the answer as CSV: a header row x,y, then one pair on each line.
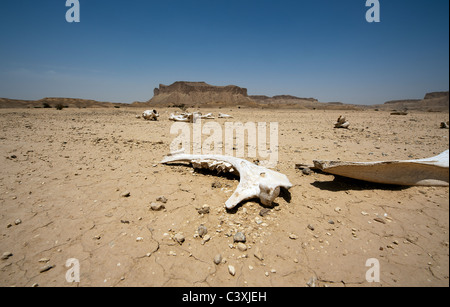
x,y
64,173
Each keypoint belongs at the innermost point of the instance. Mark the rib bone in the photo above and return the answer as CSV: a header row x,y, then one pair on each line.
x,y
255,181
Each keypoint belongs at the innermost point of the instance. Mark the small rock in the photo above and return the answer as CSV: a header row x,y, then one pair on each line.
x,y
179,238
18,221
264,212
203,210
218,259
216,185
45,260
337,209
206,238
46,268
139,239
231,270
6,255
162,199
312,282
242,247
293,236
258,254
126,194
306,171
311,227
380,220
239,237
202,230
157,206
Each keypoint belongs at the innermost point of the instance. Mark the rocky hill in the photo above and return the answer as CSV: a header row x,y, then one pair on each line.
x,y
54,101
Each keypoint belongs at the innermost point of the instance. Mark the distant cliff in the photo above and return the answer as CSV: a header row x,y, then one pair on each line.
x,y
192,94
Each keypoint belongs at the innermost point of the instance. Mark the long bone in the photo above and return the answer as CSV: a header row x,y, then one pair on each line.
x,y
255,181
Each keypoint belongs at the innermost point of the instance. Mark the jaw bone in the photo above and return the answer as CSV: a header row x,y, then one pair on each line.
x,y
255,181
432,171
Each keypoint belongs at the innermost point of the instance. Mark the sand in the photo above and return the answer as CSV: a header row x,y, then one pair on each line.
x,y
63,174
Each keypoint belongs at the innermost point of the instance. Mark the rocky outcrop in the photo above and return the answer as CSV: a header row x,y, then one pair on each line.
x,y
192,94
433,102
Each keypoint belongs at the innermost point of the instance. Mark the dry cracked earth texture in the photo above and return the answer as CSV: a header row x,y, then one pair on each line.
x,y
80,183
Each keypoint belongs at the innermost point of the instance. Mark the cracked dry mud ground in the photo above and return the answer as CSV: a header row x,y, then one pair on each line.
x,y
63,173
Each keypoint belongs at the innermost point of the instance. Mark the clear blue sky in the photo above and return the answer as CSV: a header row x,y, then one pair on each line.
x,y
324,49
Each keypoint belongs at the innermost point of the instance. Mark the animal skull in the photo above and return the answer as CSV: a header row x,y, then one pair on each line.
x,y
150,115
255,181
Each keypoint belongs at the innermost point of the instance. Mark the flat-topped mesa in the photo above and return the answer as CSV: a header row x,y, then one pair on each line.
x,y
186,87
199,94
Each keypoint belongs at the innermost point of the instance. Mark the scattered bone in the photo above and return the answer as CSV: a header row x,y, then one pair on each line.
x,y
221,115
255,181
150,115
180,118
207,116
342,123
432,171
190,117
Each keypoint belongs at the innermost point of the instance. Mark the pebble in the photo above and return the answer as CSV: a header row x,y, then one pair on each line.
x,y
216,185
179,238
258,254
337,209
202,230
239,237
126,194
293,236
311,227
46,268
231,270
380,220
206,238
218,259
18,221
264,212
203,210
157,206
242,247
6,255
306,171
162,199
139,239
